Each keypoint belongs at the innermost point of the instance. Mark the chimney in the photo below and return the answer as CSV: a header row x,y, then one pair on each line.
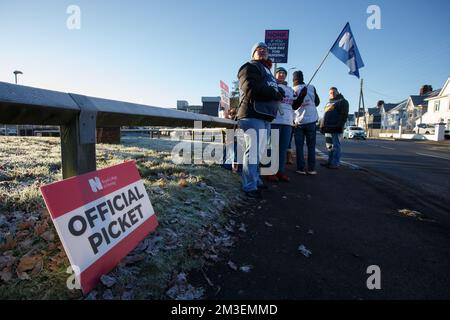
x,y
380,103
425,89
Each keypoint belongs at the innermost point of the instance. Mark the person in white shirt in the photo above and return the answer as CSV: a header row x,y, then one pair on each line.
x,y
284,123
305,119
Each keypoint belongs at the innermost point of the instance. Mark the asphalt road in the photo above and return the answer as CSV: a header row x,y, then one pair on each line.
x,y
420,166
349,220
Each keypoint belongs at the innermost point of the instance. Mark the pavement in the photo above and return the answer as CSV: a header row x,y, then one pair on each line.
x,y
349,219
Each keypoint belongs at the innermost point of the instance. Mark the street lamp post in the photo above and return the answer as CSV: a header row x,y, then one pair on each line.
x,y
293,68
16,72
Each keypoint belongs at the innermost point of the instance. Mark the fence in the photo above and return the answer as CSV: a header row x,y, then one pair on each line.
x,y
78,117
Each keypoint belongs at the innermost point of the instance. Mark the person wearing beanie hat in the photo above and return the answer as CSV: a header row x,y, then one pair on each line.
x,y
258,45
259,101
297,78
283,123
281,69
305,119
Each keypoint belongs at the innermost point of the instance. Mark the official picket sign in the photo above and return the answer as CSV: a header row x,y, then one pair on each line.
x,y
224,105
278,43
100,217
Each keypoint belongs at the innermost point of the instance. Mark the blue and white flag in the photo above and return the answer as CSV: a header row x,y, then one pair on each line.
x,y
345,49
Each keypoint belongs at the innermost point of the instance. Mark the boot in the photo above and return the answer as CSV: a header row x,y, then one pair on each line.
x,y
272,178
282,177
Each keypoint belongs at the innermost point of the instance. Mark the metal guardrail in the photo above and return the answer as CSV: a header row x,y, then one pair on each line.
x,y
78,116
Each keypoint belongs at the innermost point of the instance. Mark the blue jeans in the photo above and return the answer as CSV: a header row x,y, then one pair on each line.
x,y
333,143
308,132
285,137
254,143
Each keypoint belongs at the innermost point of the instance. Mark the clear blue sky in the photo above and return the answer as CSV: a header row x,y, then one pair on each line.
x,y
158,52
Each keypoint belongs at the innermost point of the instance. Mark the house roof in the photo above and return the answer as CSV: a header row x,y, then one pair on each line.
x,y
400,106
441,92
373,111
389,106
421,100
418,100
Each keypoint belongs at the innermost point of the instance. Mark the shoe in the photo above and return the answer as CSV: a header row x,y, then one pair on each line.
x,y
324,164
255,194
303,173
282,177
272,178
312,173
332,167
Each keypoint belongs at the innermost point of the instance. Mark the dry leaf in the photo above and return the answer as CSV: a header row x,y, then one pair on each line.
x,y
6,275
48,236
41,228
22,234
183,183
232,265
26,225
133,259
23,276
10,244
25,244
7,261
28,263
246,268
108,280
38,267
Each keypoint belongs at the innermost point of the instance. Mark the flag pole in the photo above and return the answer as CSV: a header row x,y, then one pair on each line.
x,y
326,56
317,70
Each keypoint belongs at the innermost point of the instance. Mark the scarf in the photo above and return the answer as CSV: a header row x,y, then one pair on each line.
x,y
267,63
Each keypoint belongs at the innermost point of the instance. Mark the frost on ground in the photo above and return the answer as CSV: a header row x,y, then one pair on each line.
x,y
193,205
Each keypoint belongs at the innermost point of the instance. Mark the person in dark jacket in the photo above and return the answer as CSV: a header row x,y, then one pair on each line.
x,y
332,125
259,101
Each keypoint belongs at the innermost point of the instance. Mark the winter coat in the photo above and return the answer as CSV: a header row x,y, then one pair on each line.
x,y
335,117
257,84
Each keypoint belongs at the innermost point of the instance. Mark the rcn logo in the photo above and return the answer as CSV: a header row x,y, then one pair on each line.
x,y
95,184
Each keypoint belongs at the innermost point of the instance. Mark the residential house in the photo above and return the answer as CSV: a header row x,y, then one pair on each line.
x,y
373,118
388,121
350,120
360,119
438,109
393,115
417,106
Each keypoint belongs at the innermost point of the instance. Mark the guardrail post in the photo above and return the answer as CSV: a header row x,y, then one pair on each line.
x,y
78,140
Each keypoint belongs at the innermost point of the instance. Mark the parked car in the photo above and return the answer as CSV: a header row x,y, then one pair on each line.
x,y
424,128
354,132
11,131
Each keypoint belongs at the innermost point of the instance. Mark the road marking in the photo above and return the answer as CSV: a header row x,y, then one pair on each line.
x,y
433,156
386,148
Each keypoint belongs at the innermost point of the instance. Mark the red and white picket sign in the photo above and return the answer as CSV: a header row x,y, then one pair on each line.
x,y
100,217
